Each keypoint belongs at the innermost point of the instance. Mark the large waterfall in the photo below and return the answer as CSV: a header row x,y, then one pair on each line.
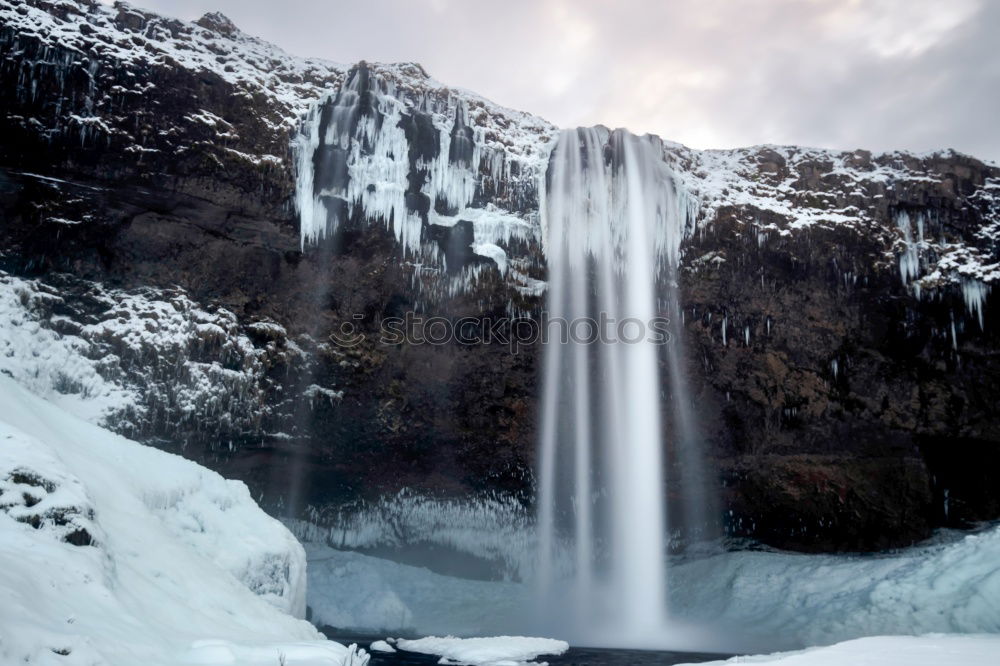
x,y
613,216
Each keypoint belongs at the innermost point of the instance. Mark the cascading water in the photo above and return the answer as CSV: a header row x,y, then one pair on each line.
x,y
613,217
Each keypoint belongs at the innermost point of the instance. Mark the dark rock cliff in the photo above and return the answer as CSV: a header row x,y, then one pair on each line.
x,y
847,401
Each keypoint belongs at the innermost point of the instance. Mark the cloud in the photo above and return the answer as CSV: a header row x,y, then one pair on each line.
x,y
880,74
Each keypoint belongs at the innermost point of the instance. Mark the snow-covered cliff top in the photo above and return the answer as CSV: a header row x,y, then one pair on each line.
x,y
770,190
134,37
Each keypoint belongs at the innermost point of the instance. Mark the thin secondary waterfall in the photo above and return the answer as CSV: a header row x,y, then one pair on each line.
x,y
613,217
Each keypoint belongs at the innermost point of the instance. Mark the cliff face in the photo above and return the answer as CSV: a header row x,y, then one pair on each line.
x,y
841,335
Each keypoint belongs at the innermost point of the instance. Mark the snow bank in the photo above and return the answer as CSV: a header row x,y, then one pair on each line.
x,y
934,650
506,650
306,653
116,553
792,600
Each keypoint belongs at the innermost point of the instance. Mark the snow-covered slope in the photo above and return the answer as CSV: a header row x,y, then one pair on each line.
x,y
950,586
935,650
117,553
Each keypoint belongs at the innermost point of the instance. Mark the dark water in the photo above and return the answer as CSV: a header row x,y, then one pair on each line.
x,y
575,656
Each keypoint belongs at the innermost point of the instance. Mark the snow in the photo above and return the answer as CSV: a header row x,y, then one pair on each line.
x,y
117,553
492,651
315,392
51,364
933,650
949,585
357,592
251,64
303,653
381,646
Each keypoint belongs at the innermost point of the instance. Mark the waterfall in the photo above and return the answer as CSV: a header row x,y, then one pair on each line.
x,y
613,217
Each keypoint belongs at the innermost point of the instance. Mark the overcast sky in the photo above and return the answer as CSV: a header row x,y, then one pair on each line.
x,y
879,74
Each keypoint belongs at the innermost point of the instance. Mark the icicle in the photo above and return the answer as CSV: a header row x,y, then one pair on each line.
x,y
724,321
312,211
974,292
909,260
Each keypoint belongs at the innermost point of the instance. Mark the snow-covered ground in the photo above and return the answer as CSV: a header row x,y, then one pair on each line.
x,y
116,553
934,650
746,600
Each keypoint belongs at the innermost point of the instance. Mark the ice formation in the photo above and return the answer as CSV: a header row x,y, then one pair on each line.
x,y
939,650
378,152
909,259
459,143
974,292
497,530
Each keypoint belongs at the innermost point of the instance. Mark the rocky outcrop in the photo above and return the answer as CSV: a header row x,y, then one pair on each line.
x,y
840,326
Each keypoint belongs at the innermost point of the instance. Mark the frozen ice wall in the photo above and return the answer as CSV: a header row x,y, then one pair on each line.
x,y
392,147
